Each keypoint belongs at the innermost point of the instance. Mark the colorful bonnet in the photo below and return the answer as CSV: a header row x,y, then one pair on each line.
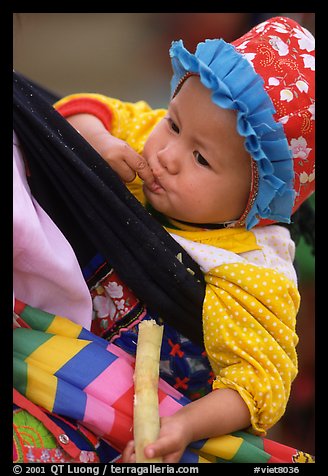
x,y
267,76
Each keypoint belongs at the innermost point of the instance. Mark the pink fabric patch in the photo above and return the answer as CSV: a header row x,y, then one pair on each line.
x,y
112,383
98,416
168,406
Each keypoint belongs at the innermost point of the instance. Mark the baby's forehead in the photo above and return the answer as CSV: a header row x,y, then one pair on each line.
x,y
193,98
191,93
205,124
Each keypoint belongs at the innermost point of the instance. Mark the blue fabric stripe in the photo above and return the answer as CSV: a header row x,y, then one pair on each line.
x,y
69,401
78,370
189,457
87,335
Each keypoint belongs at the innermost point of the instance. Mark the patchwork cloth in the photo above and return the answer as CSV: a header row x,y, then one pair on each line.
x,y
72,373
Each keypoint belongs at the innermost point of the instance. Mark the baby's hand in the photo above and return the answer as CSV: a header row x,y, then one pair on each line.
x,y
122,158
117,153
172,440
170,444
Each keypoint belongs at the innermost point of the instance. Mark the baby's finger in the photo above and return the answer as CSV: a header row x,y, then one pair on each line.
x,y
128,455
123,169
145,172
140,166
164,447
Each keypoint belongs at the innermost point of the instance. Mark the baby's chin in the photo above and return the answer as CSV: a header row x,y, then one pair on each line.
x,y
157,198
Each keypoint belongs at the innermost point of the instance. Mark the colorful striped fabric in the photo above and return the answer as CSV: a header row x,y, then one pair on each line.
x,y
71,372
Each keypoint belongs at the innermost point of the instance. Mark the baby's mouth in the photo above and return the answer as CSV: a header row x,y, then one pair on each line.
x,y
156,186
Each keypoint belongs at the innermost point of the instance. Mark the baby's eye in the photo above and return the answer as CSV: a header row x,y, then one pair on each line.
x,y
200,159
173,126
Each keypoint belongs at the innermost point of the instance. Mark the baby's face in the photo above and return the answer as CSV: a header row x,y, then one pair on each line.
x,y
202,170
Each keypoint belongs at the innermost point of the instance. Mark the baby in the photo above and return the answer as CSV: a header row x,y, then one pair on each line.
x,y
232,156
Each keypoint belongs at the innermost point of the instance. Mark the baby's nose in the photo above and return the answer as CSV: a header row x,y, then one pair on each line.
x,y
169,159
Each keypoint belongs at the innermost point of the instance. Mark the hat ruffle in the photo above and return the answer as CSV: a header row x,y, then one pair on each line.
x,y
236,85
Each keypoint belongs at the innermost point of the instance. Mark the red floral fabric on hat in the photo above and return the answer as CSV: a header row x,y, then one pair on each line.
x,y
283,53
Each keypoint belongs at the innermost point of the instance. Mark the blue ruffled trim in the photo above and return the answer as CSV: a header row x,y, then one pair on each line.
x,y
236,85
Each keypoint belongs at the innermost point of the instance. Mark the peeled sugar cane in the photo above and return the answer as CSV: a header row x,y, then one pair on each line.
x,y
146,423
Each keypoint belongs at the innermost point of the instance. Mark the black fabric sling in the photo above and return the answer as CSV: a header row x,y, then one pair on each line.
x,y
97,214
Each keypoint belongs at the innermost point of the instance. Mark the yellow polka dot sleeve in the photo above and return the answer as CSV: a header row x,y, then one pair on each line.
x,y
135,122
249,317
131,122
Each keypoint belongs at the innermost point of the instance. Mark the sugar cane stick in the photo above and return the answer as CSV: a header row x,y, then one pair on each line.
x,y
146,415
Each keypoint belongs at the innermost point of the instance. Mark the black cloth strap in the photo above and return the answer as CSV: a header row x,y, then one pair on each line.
x,y
97,214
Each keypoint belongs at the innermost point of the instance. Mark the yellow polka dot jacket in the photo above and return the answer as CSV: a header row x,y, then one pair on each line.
x,y
251,300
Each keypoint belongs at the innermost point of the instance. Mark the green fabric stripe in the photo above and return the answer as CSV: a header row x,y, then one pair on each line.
x,y
252,439
19,374
36,318
221,460
248,453
26,341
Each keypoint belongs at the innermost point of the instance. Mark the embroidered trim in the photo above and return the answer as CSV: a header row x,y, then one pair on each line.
x,y
128,321
252,195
